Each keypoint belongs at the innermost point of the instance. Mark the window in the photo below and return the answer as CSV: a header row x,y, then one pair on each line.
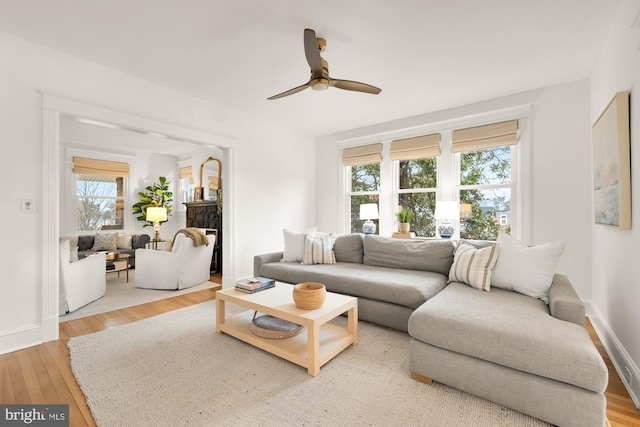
x,y
186,183
475,170
485,182
100,190
363,165
365,188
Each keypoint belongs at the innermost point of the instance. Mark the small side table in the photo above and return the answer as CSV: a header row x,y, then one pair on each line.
x,y
153,243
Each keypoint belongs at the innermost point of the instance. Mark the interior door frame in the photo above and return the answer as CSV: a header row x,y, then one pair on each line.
x,y
55,107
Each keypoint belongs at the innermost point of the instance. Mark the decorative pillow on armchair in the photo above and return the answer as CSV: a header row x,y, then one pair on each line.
x,y
528,270
105,242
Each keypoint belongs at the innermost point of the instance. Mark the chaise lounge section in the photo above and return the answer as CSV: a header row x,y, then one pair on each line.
x,y
507,347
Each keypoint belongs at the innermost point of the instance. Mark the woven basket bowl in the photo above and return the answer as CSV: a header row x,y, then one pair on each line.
x,y
309,295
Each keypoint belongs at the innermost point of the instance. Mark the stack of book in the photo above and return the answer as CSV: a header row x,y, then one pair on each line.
x,y
254,284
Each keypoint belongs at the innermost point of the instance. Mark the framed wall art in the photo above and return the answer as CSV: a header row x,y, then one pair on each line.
x,y
612,164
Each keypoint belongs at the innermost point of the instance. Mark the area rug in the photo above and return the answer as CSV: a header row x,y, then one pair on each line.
x,y
121,294
174,370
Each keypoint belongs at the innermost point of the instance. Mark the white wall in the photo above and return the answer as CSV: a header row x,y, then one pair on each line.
x,y
262,156
555,150
616,266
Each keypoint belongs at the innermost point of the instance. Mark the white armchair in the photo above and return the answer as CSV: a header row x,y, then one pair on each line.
x,y
185,266
82,281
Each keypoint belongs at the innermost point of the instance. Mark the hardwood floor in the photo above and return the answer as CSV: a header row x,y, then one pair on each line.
x,y
42,374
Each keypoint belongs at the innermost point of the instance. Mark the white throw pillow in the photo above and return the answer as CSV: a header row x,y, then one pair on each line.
x,y
526,269
318,250
123,241
294,244
473,266
105,242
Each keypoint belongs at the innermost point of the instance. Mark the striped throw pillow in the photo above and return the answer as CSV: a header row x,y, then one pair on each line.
x,y
318,250
473,266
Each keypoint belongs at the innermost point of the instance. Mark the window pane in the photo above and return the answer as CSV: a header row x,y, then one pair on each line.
x,y
187,189
356,222
490,212
100,202
365,178
422,205
419,173
105,186
492,166
99,214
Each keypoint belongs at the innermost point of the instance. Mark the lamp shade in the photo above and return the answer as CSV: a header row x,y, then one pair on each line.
x,y
465,210
156,214
369,211
447,210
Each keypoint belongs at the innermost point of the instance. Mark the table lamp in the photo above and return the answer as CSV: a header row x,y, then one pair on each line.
x,y
156,215
369,211
446,211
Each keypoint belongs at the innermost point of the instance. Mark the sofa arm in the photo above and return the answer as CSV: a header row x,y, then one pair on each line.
x,y
139,241
564,303
260,260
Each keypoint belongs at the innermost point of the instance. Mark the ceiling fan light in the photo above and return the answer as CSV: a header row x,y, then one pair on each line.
x,y
320,84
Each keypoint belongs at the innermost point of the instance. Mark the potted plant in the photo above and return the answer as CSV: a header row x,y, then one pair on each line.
x,y
156,195
404,218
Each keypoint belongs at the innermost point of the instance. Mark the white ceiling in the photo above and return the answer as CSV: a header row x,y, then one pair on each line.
x,y
426,55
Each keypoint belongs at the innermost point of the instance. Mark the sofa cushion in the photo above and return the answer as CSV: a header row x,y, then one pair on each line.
x,y
294,244
509,329
409,288
105,242
348,248
526,269
473,266
425,255
85,243
123,240
317,250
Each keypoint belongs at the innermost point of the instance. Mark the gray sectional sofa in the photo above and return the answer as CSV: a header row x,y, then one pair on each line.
x,y
507,347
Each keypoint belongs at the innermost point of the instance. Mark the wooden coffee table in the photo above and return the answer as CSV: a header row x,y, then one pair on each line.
x,y
321,342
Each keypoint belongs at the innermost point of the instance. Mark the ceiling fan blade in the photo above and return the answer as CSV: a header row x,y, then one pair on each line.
x,y
312,52
291,91
355,86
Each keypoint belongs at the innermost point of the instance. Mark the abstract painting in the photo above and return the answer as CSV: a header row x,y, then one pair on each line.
x,y
612,164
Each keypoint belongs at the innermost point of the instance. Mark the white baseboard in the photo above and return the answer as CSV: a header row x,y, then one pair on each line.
x,y
18,339
622,362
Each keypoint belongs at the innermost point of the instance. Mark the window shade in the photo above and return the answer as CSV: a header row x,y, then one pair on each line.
x,y
419,147
362,155
185,172
483,137
82,165
213,183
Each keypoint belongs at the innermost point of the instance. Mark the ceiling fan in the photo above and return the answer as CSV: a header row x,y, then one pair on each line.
x,y
320,79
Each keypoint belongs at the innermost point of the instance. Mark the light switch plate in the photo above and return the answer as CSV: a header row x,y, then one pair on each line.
x,y
27,205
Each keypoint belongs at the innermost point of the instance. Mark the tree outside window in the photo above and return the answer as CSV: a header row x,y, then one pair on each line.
x,y
485,184
100,202
417,193
365,188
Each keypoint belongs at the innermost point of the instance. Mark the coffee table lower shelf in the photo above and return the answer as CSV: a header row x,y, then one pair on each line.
x,y
331,340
